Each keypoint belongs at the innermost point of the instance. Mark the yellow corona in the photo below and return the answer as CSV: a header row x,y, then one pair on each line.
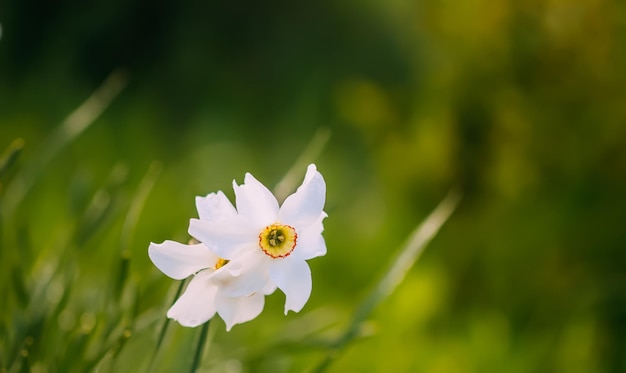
x,y
278,240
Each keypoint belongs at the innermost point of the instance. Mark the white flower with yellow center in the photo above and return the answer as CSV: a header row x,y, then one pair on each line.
x,y
267,244
203,297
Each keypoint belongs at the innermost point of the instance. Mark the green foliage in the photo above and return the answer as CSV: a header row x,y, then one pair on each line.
x,y
520,104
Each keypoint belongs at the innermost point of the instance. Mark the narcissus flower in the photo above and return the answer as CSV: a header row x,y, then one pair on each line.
x,y
203,297
268,242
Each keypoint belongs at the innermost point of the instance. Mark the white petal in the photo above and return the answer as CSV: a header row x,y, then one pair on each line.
x,y
255,202
306,204
241,309
179,261
245,275
215,206
269,288
310,242
225,237
197,304
293,277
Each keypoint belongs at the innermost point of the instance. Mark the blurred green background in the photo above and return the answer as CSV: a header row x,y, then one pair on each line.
x,y
520,104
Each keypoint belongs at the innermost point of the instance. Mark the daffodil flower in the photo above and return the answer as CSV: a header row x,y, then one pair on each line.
x,y
203,297
267,244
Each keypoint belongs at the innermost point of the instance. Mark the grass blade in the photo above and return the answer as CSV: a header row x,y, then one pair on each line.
x,y
10,155
418,240
145,186
166,323
75,123
288,183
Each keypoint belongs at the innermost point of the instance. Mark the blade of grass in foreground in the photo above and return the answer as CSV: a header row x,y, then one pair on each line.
x,y
75,124
394,275
288,183
120,284
10,155
131,220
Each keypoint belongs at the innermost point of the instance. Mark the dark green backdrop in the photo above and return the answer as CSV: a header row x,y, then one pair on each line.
x,y
520,104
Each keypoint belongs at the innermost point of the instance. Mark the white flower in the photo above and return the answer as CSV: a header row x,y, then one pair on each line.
x,y
203,297
266,244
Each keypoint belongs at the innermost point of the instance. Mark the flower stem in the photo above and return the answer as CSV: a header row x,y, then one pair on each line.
x,y
197,358
166,323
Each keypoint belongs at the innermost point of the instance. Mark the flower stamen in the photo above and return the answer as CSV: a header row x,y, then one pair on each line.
x,y
278,240
220,263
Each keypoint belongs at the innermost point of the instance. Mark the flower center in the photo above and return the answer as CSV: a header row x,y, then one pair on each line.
x,y
277,240
220,263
